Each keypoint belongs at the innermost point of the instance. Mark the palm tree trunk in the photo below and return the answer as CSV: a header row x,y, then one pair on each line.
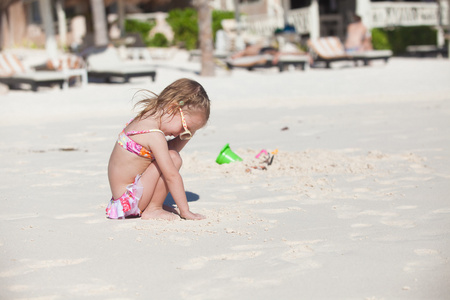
x,y
121,13
47,18
206,37
99,20
62,28
2,42
5,23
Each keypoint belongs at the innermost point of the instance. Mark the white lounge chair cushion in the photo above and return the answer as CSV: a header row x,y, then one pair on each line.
x,y
126,69
110,61
248,61
373,53
293,58
12,67
328,47
41,75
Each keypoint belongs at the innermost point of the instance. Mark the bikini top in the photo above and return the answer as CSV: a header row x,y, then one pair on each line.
x,y
128,144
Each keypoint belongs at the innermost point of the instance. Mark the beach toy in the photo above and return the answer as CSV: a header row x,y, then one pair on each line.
x,y
263,151
274,152
227,155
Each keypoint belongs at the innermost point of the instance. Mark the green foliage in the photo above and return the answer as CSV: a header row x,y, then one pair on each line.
x,y
380,39
138,26
143,28
184,26
159,40
398,38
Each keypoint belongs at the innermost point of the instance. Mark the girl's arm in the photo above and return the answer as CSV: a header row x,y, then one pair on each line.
x,y
177,144
160,149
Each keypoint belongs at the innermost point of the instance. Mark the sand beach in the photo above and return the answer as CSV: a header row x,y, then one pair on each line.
x,y
355,205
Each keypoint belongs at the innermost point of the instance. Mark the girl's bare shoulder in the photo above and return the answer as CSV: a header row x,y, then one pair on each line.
x,y
149,123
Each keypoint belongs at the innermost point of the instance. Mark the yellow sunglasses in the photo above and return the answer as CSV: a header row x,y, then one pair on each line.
x,y
186,135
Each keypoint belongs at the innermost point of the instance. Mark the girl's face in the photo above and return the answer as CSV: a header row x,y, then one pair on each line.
x,y
173,125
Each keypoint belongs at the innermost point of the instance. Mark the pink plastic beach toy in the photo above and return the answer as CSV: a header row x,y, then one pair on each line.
x,y
261,152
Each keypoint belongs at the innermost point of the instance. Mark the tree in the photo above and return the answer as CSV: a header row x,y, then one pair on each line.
x,y
205,37
4,5
47,18
99,21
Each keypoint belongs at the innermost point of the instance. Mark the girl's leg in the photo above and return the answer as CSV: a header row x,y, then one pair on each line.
x,y
156,190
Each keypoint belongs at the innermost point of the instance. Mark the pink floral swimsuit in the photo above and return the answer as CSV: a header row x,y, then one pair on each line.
x,y
127,204
128,144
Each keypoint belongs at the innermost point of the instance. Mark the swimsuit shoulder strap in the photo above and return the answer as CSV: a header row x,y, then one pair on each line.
x,y
132,132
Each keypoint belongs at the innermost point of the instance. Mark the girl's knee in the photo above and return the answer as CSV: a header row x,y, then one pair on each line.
x,y
176,158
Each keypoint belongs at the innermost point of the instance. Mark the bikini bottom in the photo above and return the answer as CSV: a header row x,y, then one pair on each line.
x,y
127,204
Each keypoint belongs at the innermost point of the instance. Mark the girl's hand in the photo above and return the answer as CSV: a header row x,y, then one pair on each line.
x,y
192,216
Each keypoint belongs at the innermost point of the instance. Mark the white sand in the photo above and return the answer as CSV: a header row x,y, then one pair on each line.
x,y
355,205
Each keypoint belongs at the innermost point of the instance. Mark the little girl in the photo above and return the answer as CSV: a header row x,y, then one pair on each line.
x,y
144,167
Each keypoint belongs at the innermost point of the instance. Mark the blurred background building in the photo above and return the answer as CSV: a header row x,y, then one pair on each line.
x,y
71,23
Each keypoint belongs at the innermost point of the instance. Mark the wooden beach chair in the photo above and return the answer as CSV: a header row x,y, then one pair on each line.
x,y
13,73
197,54
369,55
267,61
327,50
107,65
71,65
330,49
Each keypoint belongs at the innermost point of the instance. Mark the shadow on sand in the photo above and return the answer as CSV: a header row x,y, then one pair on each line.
x,y
191,197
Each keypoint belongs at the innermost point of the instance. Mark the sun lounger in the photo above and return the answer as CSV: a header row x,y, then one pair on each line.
x,y
14,73
426,50
330,49
108,64
285,60
267,61
367,56
197,53
73,66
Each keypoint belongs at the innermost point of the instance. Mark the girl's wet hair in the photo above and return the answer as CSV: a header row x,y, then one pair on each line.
x,y
185,93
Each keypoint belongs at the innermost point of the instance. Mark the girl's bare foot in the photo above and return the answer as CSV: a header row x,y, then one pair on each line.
x,y
159,214
171,209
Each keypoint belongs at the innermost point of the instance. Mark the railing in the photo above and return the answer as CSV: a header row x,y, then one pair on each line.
x,y
300,19
264,25
385,14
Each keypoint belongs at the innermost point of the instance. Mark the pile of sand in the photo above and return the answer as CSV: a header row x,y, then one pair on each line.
x,y
306,171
